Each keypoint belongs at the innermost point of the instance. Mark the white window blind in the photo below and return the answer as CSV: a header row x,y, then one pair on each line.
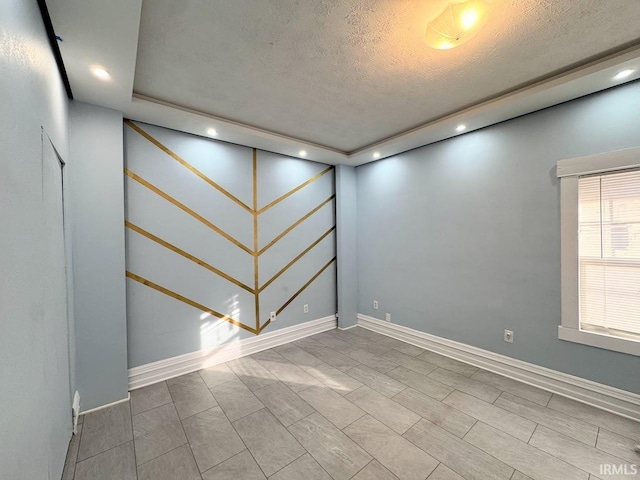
x,y
609,252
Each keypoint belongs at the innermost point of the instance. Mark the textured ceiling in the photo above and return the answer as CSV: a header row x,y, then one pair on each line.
x,y
345,74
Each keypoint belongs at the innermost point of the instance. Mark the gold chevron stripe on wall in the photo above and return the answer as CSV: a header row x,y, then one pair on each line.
x,y
187,165
294,225
186,209
298,257
294,190
188,301
299,254
186,255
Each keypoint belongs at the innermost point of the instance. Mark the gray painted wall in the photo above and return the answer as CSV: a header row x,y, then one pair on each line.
x,y
159,325
35,424
346,220
97,195
461,239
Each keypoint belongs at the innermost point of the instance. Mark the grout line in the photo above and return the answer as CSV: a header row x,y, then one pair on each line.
x,y
292,461
414,424
570,465
449,394
557,433
592,423
162,455
311,454
364,413
231,457
471,428
314,458
242,440
104,451
239,436
532,434
498,407
366,465
194,458
183,432
434,470
161,405
198,413
296,394
492,426
550,427
292,436
250,413
450,467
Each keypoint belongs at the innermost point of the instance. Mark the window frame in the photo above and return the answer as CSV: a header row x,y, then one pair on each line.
x,y
568,171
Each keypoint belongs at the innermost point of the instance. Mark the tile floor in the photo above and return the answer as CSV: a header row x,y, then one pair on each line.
x,y
349,405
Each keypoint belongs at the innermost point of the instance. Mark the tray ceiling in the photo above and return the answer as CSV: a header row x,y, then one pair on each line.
x,y
347,74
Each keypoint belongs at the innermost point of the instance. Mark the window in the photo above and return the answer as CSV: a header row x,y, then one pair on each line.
x,y
600,215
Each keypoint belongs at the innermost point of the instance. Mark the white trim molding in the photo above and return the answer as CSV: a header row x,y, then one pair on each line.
x,y
569,170
607,398
599,163
190,362
349,327
101,407
629,346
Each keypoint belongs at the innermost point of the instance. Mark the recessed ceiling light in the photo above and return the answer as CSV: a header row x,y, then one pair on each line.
x,y
302,153
376,154
623,74
101,73
212,132
461,128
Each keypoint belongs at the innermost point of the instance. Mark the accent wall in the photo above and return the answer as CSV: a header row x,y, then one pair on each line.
x,y
219,236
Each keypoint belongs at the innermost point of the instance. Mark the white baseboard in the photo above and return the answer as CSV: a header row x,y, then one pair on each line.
x,y
91,410
348,328
190,362
608,398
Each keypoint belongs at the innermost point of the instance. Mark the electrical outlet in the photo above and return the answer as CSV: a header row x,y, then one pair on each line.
x,y
272,317
375,304
387,317
508,336
306,308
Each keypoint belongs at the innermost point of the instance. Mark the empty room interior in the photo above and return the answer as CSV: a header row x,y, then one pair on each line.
x,y
320,239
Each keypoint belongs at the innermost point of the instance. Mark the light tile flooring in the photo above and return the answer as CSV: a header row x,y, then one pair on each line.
x,y
349,405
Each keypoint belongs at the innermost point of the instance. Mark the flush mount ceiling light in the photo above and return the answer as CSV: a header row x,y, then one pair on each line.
x,y
101,73
303,153
212,132
461,128
458,23
376,154
623,74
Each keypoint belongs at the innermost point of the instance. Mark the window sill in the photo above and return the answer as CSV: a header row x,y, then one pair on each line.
x,y
607,342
